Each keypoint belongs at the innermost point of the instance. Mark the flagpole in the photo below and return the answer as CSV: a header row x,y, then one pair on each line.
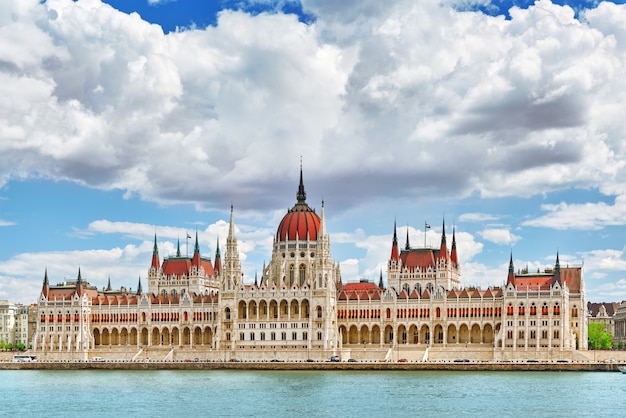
x,y
187,244
425,224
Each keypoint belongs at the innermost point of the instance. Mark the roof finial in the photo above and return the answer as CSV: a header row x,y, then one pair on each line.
x,y
301,195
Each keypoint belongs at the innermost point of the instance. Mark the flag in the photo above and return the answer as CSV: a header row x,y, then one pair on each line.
x,y
427,226
188,236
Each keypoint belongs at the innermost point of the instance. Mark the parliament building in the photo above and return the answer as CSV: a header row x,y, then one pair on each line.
x,y
299,309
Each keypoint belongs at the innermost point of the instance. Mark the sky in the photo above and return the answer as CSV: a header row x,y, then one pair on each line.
x,y
123,119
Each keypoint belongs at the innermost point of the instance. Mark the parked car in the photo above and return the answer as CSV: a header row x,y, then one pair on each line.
x,y
351,360
334,358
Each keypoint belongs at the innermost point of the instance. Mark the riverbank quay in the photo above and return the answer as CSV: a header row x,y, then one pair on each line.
x,y
301,366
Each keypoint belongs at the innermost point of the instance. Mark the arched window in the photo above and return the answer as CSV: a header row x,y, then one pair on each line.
x,y
302,273
291,275
227,313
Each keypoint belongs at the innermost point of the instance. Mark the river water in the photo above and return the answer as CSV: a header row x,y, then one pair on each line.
x,y
239,393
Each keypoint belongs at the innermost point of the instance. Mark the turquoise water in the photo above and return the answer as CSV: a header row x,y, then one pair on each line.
x,y
98,393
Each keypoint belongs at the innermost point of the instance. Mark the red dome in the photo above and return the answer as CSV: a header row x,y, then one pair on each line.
x,y
300,222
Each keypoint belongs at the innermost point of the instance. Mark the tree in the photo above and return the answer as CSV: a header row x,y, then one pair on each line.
x,y
599,339
21,347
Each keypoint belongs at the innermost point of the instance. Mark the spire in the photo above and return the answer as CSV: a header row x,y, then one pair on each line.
x,y
443,249
79,284
380,281
178,248
557,271
109,284
256,282
217,266
453,255
232,266
46,284
322,231
395,253
197,247
139,291
156,264
196,253
407,246
231,225
511,277
301,195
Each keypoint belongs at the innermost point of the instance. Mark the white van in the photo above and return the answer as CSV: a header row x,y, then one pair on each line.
x,y
97,359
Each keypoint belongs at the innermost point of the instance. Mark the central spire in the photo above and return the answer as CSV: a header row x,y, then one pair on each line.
x,y
301,195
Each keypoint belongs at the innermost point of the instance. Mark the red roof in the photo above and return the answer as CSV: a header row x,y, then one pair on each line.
x,y
360,286
418,258
300,222
178,266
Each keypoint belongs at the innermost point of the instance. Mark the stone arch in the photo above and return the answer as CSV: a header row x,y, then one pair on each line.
x,y
175,336
364,335
144,336
262,312
344,334
253,312
133,336
283,310
294,309
414,334
438,334
475,334
96,336
156,336
425,334
305,309
402,336
273,309
388,334
488,334
452,338
375,334
115,337
106,338
353,335
241,311
124,336
463,334
186,336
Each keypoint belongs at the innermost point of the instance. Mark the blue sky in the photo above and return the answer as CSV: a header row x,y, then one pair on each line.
x,y
120,119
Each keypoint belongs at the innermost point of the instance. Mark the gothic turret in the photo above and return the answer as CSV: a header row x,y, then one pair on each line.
x,y
511,277
443,249
557,271
453,255
196,254
79,284
156,264
217,266
395,252
45,290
